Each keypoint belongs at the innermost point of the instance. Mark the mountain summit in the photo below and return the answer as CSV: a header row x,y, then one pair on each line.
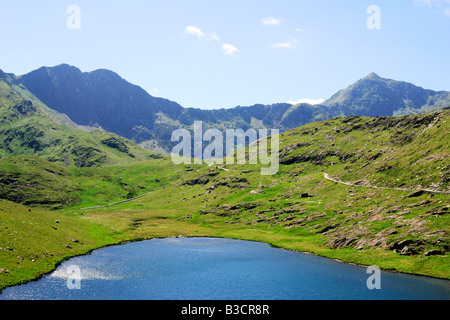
x,y
373,75
377,96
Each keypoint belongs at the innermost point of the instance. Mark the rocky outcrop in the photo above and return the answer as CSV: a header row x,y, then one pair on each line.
x,y
316,158
202,180
117,144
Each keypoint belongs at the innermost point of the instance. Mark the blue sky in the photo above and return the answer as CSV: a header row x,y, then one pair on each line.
x,y
214,54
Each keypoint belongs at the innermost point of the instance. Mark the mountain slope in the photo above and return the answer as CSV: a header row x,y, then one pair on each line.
x,y
376,96
33,181
374,185
103,98
27,126
100,97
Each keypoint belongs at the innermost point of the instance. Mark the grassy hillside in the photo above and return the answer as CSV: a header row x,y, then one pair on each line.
x,y
28,127
371,191
387,190
34,241
33,181
405,152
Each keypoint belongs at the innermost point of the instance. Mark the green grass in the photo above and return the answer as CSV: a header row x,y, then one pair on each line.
x,y
34,241
33,181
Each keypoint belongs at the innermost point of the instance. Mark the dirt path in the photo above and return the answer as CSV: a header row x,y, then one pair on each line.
x,y
119,202
326,176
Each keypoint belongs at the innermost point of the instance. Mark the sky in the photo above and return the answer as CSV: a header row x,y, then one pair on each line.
x,y
213,54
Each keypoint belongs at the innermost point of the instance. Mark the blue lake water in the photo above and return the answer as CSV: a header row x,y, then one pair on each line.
x,y
218,269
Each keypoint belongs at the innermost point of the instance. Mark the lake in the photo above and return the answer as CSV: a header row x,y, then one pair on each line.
x,y
217,269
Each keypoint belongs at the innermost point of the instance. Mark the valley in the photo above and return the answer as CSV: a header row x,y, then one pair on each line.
x,y
362,189
297,209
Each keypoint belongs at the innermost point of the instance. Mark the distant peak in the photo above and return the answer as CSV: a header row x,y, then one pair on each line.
x,y
104,73
62,68
373,75
65,66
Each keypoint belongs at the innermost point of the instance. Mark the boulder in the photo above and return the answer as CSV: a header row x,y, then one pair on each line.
x,y
433,253
306,195
404,243
326,229
257,191
408,251
415,194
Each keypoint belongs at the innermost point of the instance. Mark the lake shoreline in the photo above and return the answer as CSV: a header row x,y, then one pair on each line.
x,y
121,243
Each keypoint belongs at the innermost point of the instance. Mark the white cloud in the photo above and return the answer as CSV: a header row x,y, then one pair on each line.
x,y
229,49
440,4
285,45
271,21
200,34
195,31
213,36
429,3
309,101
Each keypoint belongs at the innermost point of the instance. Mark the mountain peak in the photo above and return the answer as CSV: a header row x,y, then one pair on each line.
x,y
376,96
105,73
65,67
373,75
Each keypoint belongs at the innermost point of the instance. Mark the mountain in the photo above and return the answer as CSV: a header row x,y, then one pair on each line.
x,y
102,98
27,126
376,96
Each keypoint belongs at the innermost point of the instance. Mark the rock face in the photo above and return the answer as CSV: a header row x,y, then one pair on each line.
x,y
360,239
196,181
232,182
404,236
326,229
408,251
433,253
100,97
